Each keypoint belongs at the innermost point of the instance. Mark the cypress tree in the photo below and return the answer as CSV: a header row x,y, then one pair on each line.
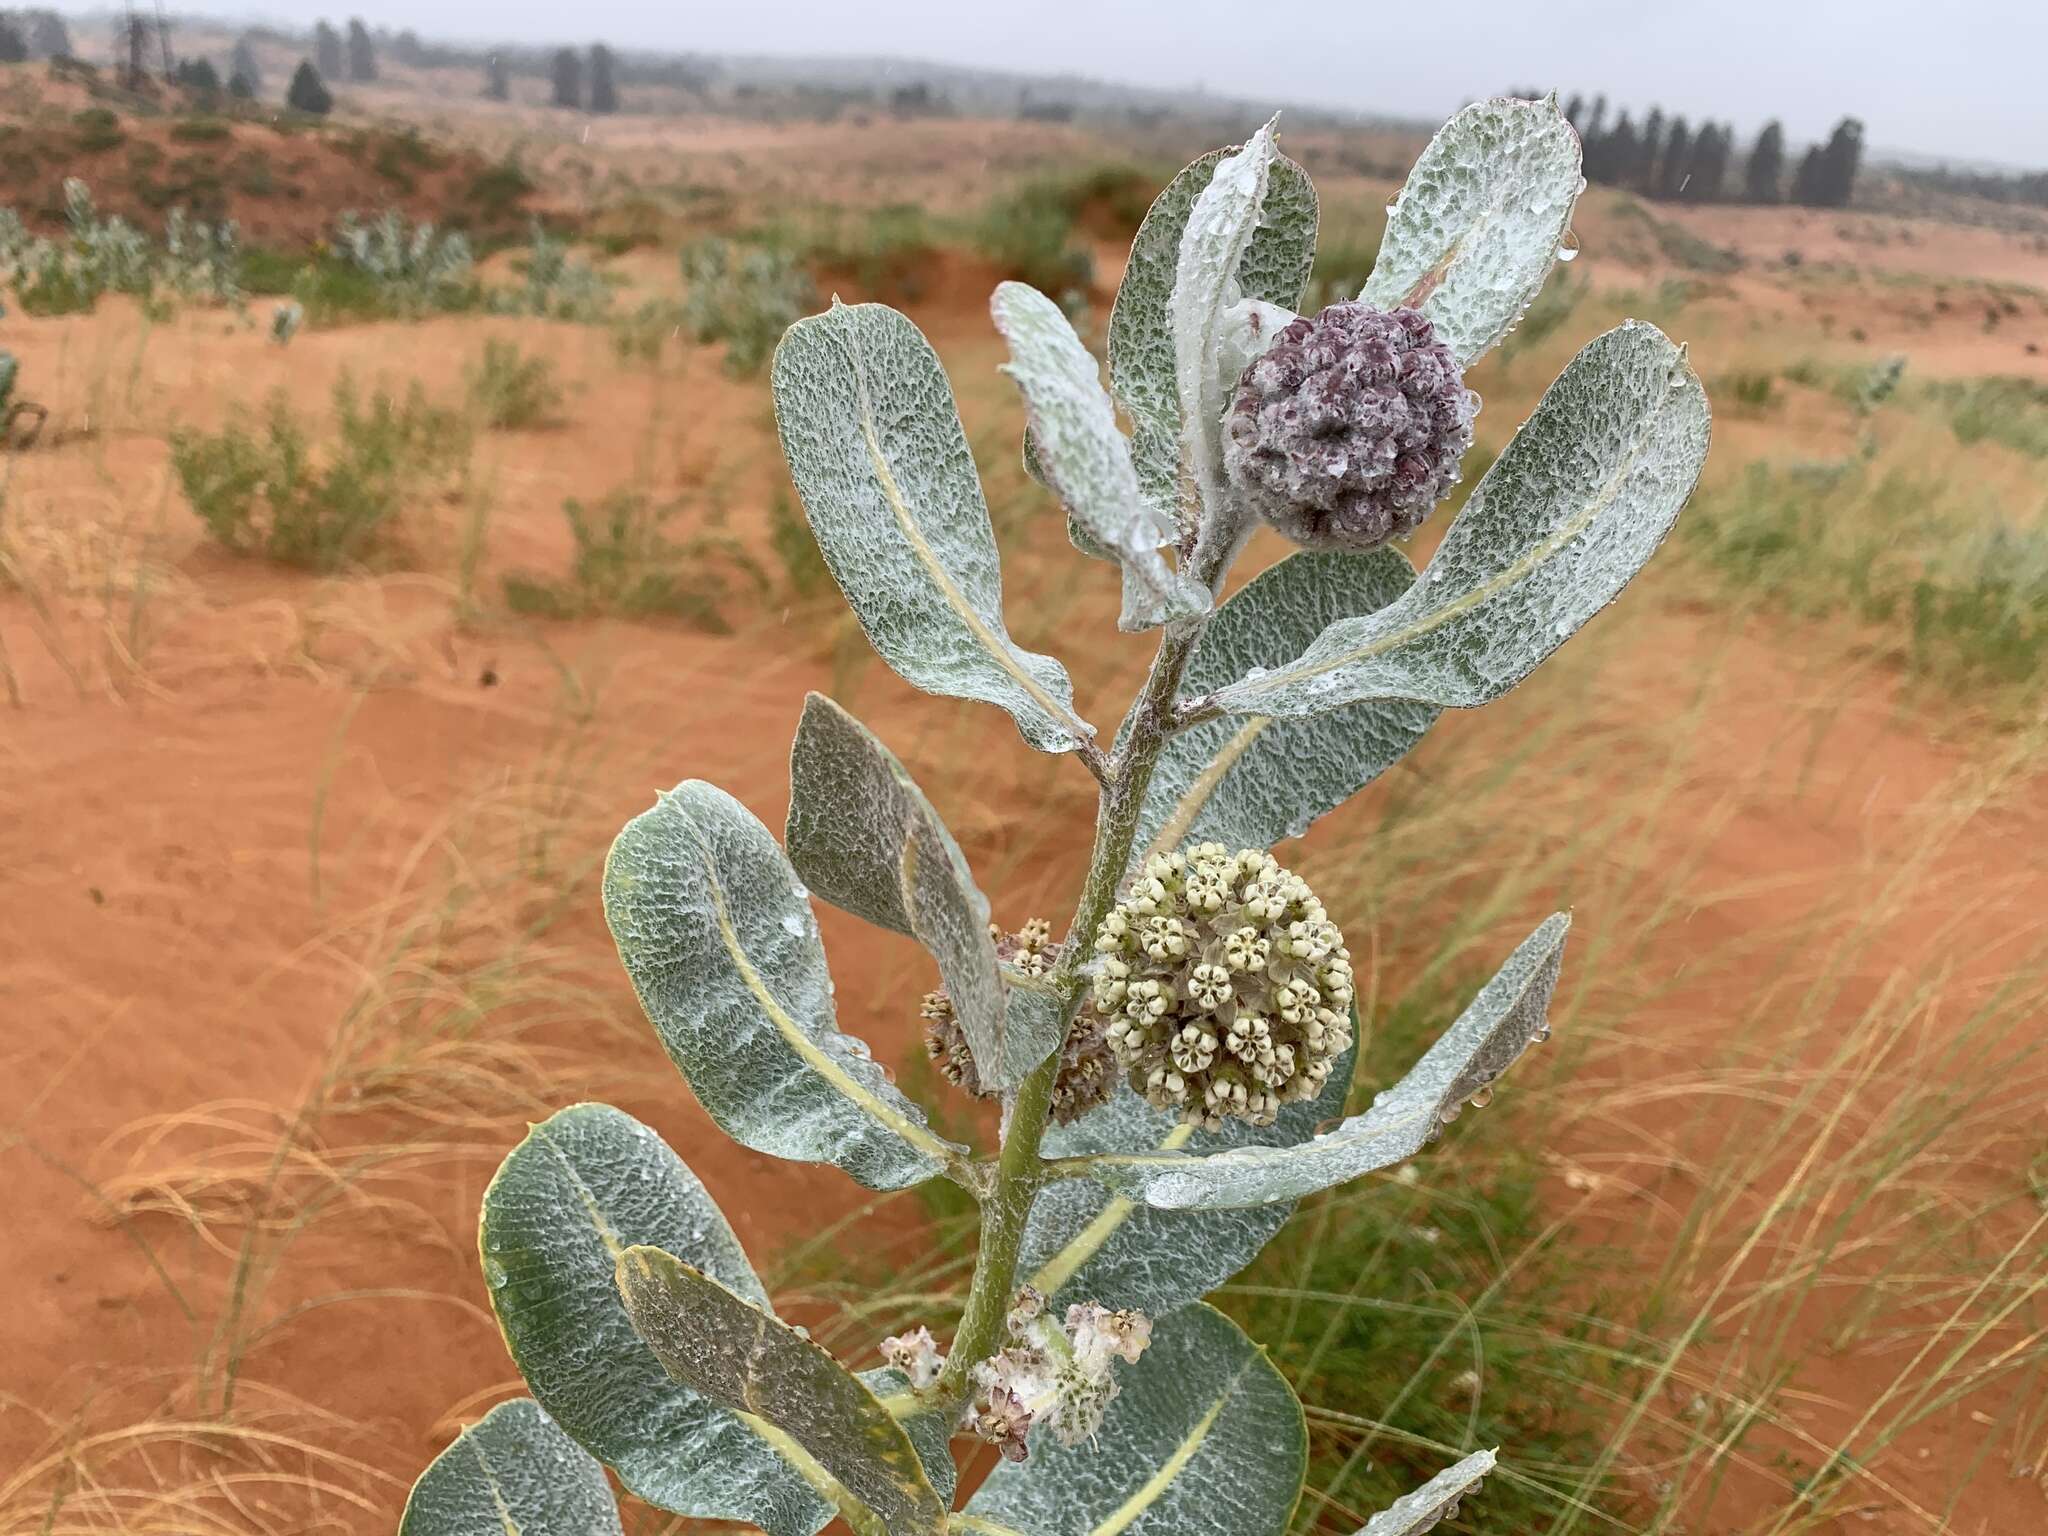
x,y
362,53
1763,177
497,83
242,66
1676,160
568,78
604,96
1642,174
327,52
307,92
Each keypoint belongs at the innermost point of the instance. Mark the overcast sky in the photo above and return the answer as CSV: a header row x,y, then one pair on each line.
x,y
1954,77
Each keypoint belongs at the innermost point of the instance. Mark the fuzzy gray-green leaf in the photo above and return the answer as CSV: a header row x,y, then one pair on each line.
x,y
1205,286
875,446
1251,783
1480,222
723,948
1275,268
1204,1435
862,835
513,1470
1436,1500
1574,507
736,1353
1510,1011
1080,453
584,1186
1084,1243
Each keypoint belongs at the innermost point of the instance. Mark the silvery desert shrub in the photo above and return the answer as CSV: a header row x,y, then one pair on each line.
x,y
416,267
1173,1073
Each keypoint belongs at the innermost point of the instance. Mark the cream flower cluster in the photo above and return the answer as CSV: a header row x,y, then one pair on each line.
x,y
1060,1376
1224,988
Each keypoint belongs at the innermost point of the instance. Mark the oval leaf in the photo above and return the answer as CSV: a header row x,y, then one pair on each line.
x,y
1203,1435
1079,453
723,948
1084,1243
513,1470
875,446
732,1351
862,835
1251,783
1275,267
1577,504
1479,224
584,1186
1437,1499
1510,1011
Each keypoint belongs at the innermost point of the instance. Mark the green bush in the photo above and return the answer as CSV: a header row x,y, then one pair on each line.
x,y
200,130
744,296
626,565
266,493
509,390
1030,236
2012,412
98,130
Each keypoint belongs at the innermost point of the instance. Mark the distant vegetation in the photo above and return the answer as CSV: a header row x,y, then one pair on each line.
x,y
1669,159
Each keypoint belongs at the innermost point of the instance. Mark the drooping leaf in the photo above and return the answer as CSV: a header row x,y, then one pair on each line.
x,y
512,1470
1436,1500
1251,783
1510,1011
1205,286
1080,453
1203,1435
875,446
862,835
1572,509
1480,222
585,1185
1084,1243
736,1353
1275,267
723,948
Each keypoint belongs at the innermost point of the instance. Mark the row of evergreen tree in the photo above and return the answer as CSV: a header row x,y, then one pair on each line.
x,y
1668,158
38,34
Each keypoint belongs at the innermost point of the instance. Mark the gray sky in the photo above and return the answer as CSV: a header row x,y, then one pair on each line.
x,y
1952,77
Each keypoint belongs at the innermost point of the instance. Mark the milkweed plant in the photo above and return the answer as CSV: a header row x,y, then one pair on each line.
x,y
1173,1073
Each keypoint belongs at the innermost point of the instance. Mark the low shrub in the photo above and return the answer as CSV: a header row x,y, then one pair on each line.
x,y
509,390
626,565
745,296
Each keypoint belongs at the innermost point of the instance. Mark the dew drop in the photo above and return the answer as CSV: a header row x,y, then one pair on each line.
x,y
1568,248
1482,1098
495,1276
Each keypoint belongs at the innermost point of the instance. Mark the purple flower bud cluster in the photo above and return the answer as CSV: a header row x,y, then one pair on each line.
x,y
1348,430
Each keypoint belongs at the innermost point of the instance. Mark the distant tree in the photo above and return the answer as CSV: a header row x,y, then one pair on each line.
x,y
1596,123
1643,174
1675,161
13,46
568,73
197,75
362,53
1763,177
48,38
407,50
240,88
497,82
604,96
327,51
1840,159
1619,151
1707,170
131,47
1575,112
242,66
307,92
1806,180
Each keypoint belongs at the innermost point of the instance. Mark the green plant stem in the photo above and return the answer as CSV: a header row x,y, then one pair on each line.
x,y
1006,1206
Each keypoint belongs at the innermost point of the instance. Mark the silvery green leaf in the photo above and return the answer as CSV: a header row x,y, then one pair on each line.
x,y
1249,329
1437,1499
1251,783
585,1185
1084,1243
1080,537
1204,1435
1480,222
875,447
1510,1011
862,835
1275,268
1218,233
723,948
1081,454
1576,505
736,1353
512,1470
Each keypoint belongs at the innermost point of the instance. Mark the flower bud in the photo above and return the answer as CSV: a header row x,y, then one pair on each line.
x,y
1348,430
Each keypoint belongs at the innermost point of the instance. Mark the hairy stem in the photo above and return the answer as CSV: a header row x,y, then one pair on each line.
x,y
1019,1171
